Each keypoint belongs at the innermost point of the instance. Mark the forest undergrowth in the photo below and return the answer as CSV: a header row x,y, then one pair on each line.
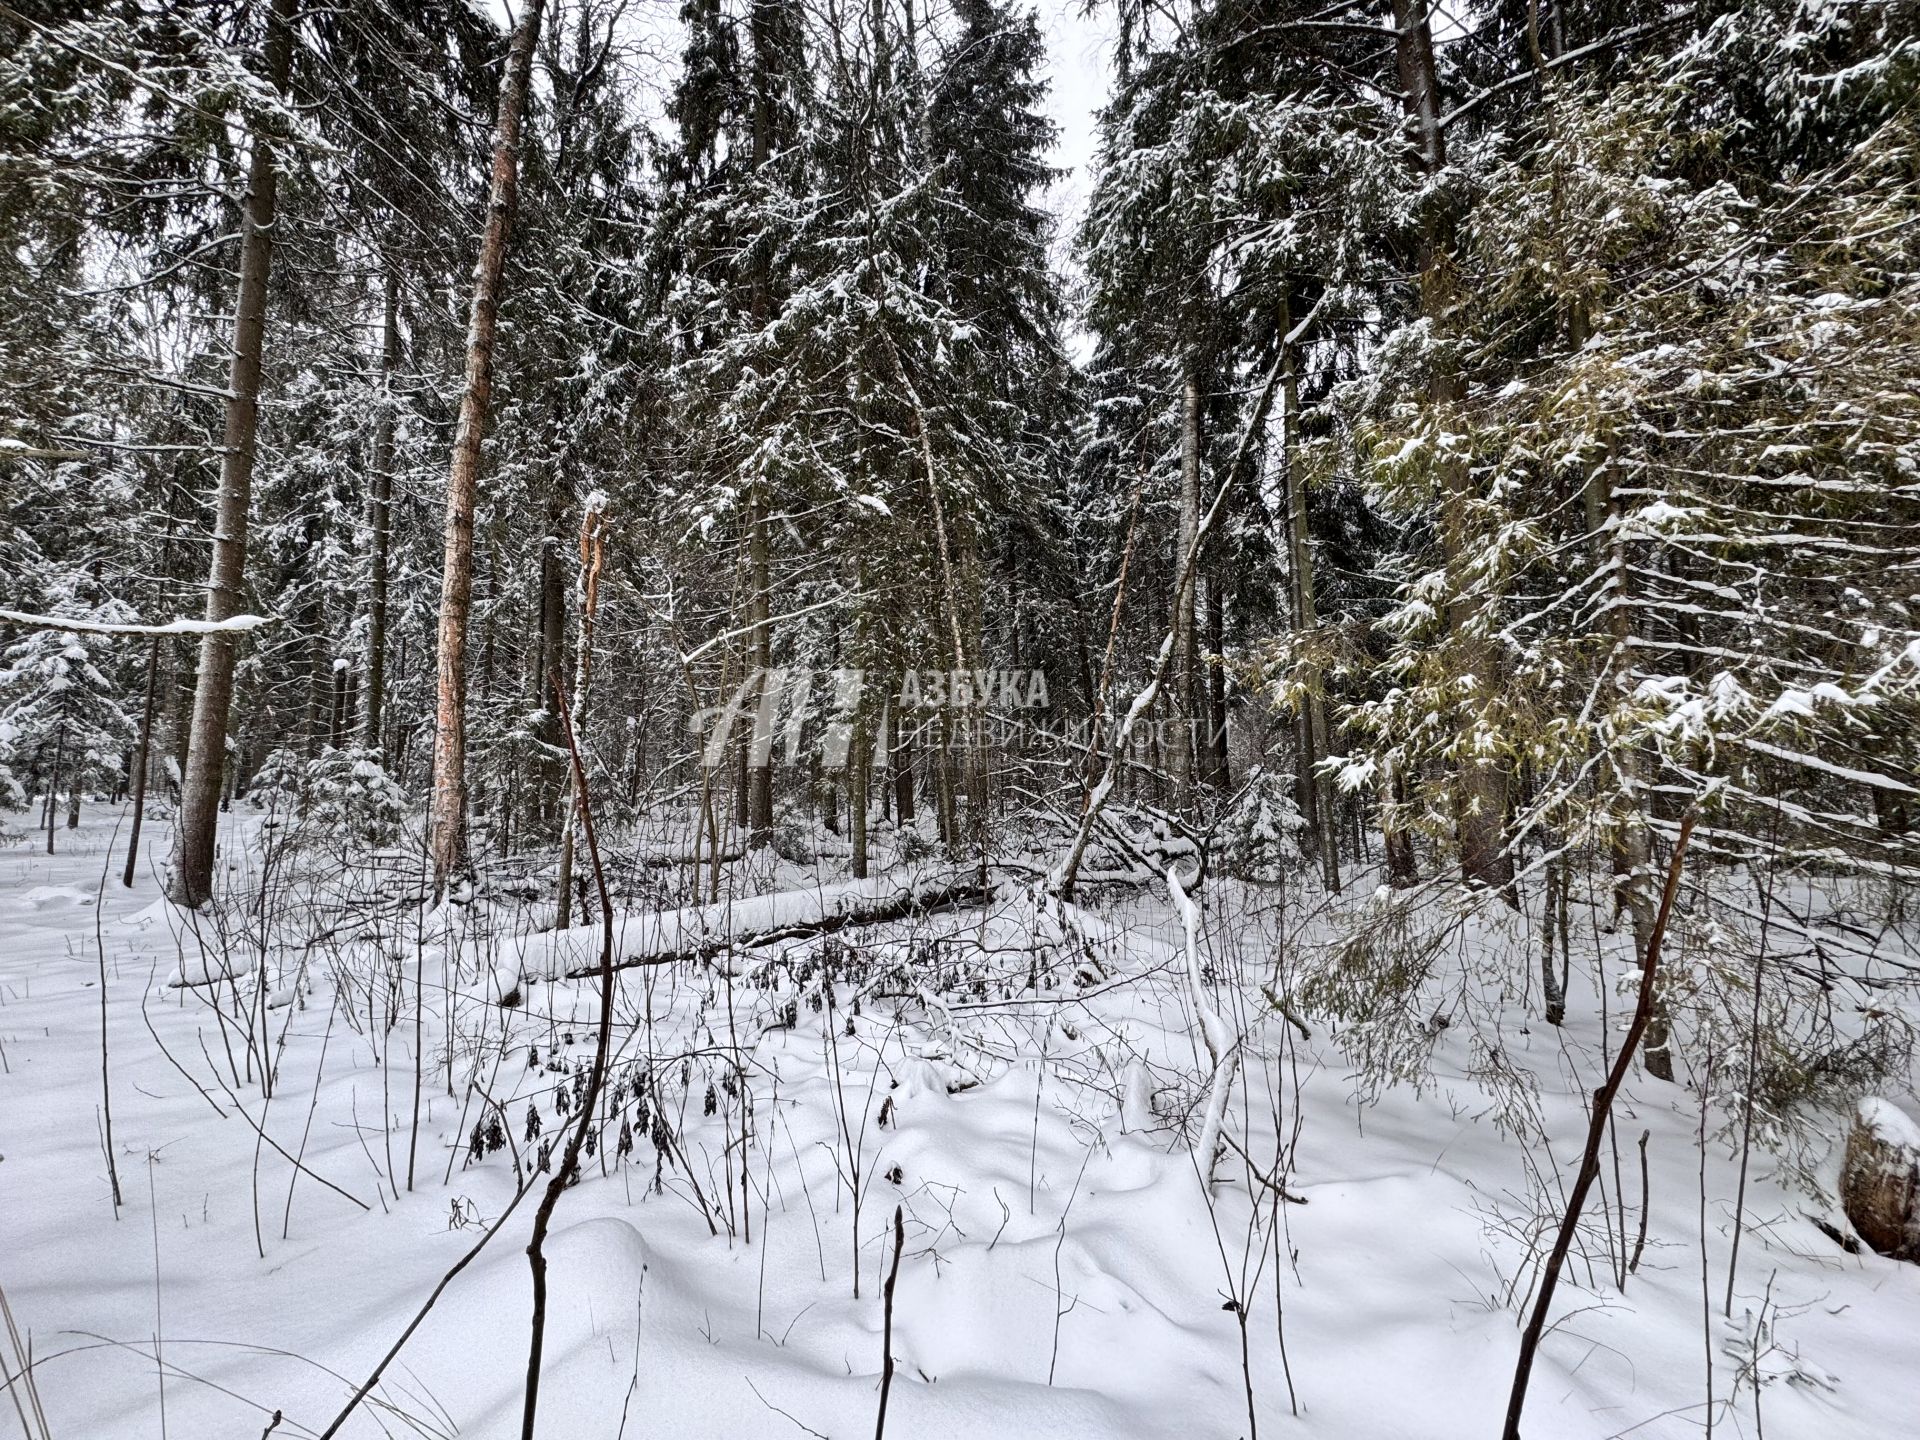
x,y
1092,1135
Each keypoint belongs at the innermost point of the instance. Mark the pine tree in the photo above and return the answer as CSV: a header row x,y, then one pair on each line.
x,y
1240,228
191,878
60,714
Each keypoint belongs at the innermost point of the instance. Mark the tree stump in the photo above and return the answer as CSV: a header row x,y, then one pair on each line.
x,y
1880,1179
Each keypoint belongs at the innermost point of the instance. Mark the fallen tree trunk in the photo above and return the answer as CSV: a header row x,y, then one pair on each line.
x,y
837,911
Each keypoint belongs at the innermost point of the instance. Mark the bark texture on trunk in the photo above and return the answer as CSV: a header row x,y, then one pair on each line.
x,y
760,772
763,24
548,776
1218,760
1880,1181
137,767
190,880
1181,748
382,516
902,766
858,772
53,787
593,554
447,817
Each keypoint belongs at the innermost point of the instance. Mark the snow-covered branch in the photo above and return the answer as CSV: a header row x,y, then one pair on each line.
x,y
231,625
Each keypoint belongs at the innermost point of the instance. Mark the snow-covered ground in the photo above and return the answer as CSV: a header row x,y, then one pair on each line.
x,y
1022,1082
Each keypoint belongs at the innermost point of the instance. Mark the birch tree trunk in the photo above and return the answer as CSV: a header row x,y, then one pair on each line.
x,y
190,880
447,817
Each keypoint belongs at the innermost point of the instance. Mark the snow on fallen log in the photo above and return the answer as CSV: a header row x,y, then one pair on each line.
x,y
173,627
691,855
661,937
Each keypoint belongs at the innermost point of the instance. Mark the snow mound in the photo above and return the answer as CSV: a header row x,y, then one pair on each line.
x,y
53,897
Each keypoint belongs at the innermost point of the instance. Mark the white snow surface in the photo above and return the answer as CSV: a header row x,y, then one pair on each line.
x,y
1890,1123
1065,1273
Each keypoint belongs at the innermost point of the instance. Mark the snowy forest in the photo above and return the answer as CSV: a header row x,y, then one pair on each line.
x,y
782,717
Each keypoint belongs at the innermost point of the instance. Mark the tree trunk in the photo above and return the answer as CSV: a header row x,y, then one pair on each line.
x,y
382,517
137,768
180,688
53,784
550,659
322,700
979,756
885,747
1403,868
742,784
1216,688
1180,710
1480,786
859,769
943,782
1061,881
448,814
592,556
191,880
342,702
762,21
760,772
1552,990
1320,810
902,764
